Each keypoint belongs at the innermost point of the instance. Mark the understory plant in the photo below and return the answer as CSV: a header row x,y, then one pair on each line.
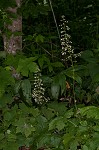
x,y
48,95
53,126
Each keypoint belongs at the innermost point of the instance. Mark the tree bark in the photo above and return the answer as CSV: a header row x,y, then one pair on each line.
x,y
13,43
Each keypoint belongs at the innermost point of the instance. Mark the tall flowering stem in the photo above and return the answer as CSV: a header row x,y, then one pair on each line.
x,y
67,50
38,91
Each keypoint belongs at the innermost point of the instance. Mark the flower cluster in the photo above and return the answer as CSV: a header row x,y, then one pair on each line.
x,y
67,50
38,91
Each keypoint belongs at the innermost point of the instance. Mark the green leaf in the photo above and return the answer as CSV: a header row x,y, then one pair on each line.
x,y
59,108
11,146
84,147
23,67
33,67
88,56
27,65
28,130
96,128
11,137
67,139
29,38
73,145
26,88
34,111
73,75
48,112
8,116
90,112
58,85
62,83
57,123
50,68
55,88
6,79
13,60
69,113
93,71
50,140
24,127
95,78
57,64
39,38
41,62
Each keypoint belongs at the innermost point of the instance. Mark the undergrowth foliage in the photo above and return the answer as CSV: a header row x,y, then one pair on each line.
x,y
28,80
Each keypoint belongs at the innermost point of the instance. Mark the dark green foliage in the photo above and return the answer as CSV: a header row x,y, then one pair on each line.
x,y
7,3
70,118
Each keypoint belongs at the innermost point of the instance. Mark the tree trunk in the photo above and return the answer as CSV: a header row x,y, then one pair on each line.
x,y
14,42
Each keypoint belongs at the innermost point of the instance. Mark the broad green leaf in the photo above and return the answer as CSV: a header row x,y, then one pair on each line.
x,y
23,67
13,60
50,140
24,110
5,80
84,147
60,125
58,85
67,138
62,83
93,71
39,38
55,88
6,99
57,64
90,112
96,128
11,146
48,112
8,116
57,123
26,88
41,120
29,38
73,75
28,129
59,108
34,111
43,140
87,55
82,129
11,137
24,127
73,145
95,78
50,68
41,62
44,60
27,65
69,113
33,67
